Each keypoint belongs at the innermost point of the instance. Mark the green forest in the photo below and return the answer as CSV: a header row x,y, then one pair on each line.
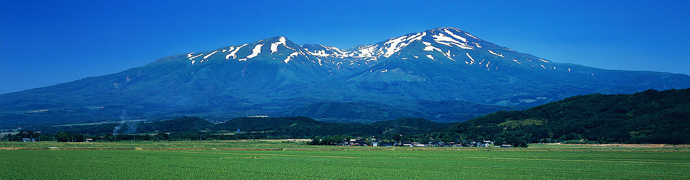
x,y
646,117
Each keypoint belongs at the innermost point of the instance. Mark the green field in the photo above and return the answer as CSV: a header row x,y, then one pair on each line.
x,y
291,160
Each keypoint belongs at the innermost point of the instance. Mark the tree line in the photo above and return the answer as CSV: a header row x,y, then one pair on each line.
x,y
646,117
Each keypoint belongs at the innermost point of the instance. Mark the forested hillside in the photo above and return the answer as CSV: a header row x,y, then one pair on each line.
x,y
646,117
307,127
192,128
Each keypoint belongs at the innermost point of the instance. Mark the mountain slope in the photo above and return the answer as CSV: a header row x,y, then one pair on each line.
x,y
410,75
193,83
450,64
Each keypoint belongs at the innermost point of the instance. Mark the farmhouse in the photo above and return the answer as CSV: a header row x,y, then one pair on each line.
x,y
406,144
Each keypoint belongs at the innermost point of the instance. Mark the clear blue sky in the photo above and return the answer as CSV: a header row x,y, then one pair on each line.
x,y
50,42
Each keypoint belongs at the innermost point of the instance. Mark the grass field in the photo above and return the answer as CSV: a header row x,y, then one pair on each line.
x,y
292,160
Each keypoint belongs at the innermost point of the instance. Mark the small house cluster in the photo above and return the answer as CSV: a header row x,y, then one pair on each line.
x,y
362,142
353,142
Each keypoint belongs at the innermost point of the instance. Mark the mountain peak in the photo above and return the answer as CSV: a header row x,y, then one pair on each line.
x,y
275,39
446,28
442,36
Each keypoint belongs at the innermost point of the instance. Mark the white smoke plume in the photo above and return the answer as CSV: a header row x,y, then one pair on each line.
x,y
123,117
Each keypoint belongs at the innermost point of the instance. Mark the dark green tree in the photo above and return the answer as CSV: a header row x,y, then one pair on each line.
x,y
63,136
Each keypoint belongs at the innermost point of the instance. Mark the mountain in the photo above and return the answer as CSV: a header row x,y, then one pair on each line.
x,y
456,65
646,117
442,74
235,77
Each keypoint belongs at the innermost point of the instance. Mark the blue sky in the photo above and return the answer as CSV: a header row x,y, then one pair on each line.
x,y
44,43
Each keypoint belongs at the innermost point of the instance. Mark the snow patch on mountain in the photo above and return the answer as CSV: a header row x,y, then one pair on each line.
x,y
229,54
448,55
274,46
255,52
209,55
233,53
320,53
396,44
430,57
294,54
448,41
501,55
429,47
477,44
468,34
455,36
468,55
366,51
192,57
325,51
393,45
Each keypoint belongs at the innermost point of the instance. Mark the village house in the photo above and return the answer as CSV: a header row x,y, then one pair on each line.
x,y
405,144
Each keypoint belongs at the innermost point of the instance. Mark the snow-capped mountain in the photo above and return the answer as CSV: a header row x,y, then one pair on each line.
x,y
432,39
278,49
443,74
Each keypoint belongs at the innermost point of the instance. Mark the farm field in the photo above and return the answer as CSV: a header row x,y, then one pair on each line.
x,y
292,160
